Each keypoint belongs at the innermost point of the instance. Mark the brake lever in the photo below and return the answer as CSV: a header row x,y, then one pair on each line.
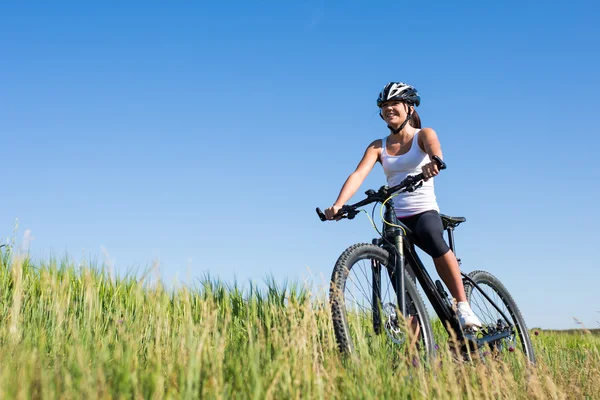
x,y
414,186
352,214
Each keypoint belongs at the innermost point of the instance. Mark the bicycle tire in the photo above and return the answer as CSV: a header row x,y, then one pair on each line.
x,y
339,282
477,301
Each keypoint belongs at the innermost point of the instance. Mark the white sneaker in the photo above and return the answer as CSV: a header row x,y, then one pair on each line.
x,y
466,316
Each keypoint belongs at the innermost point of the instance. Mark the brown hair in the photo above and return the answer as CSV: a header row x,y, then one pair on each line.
x,y
415,120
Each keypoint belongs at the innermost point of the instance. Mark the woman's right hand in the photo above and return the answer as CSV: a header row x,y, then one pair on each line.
x,y
331,211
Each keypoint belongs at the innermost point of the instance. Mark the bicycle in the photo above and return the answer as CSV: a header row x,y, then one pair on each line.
x,y
503,329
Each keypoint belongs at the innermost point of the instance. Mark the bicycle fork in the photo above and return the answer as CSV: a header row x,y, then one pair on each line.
x,y
397,277
399,269
376,271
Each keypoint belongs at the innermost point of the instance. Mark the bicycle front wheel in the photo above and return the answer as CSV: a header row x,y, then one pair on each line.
x,y
364,302
509,320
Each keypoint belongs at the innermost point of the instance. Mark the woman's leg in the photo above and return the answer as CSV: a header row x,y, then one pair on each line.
x,y
429,230
448,269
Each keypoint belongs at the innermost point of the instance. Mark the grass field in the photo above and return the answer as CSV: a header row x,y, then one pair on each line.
x,y
74,332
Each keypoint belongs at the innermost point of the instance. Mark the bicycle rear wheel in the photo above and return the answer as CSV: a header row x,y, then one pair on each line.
x,y
363,301
493,321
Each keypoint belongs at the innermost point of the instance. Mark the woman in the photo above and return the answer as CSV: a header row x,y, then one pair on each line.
x,y
409,150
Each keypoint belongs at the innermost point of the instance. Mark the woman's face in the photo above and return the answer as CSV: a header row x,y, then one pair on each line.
x,y
394,112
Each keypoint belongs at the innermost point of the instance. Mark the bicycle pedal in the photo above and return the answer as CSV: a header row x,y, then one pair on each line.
x,y
470,330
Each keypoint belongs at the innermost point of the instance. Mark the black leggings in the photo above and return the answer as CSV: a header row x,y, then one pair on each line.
x,y
429,232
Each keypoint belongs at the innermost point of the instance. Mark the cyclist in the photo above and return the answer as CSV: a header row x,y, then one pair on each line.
x,y
409,150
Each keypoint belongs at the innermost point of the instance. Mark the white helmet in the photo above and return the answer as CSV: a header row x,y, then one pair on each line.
x,y
399,91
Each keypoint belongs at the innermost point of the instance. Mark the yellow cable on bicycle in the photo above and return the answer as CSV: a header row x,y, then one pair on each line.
x,y
383,218
370,219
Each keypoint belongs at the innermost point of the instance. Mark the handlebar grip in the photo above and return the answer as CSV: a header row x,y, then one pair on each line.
x,y
440,163
321,215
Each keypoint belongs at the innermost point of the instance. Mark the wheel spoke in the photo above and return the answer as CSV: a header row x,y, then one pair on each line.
x,y
499,307
354,307
362,291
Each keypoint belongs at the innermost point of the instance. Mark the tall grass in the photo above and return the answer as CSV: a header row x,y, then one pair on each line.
x,y
75,332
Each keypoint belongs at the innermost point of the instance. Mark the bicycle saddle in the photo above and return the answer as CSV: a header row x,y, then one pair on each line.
x,y
451,222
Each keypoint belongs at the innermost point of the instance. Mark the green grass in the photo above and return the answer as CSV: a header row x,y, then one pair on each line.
x,y
74,332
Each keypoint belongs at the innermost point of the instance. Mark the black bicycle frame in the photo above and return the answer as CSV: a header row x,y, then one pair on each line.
x,y
403,252
401,248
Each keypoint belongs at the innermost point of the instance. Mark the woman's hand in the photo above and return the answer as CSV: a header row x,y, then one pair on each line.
x,y
430,170
331,211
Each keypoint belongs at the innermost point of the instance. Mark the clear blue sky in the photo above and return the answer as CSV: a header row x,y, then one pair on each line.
x,y
203,135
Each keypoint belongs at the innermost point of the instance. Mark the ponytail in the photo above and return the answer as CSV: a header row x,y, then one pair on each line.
x,y
415,120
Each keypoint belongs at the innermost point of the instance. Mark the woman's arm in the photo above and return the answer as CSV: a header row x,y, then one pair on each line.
x,y
429,143
356,178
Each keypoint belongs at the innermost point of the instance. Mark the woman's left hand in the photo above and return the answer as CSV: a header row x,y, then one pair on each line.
x,y
430,170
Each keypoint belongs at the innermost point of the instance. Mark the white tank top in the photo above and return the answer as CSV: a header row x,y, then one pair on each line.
x,y
397,168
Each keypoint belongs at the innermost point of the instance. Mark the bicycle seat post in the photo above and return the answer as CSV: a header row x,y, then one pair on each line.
x,y
450,231
451,242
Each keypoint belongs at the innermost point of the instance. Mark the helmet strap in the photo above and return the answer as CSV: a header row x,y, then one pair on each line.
x,y
395,131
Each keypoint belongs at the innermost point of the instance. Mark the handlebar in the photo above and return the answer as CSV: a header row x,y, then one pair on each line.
x,y
408,184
